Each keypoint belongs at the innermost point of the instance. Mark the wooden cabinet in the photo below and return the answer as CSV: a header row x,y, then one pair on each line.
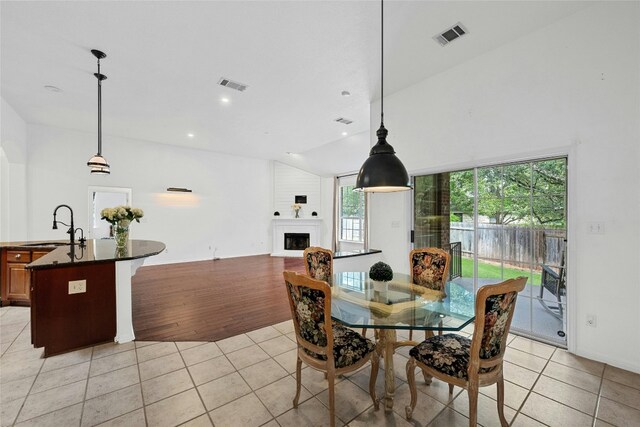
x,y
61,321
15,279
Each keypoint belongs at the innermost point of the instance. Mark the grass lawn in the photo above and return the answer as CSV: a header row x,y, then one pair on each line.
x,y
493,271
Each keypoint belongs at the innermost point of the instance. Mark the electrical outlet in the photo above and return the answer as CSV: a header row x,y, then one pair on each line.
x,y
77,287
592,320
596,227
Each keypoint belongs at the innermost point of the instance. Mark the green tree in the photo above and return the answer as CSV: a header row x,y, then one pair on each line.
x,y
519,193
461,192
352,202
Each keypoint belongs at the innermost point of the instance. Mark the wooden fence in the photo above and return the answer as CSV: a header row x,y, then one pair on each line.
x,y
515,245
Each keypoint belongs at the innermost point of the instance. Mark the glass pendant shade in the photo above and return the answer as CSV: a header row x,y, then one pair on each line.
x,y
382,172
98,165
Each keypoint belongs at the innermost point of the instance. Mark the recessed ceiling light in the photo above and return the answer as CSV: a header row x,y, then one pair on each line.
x,y
345,93
344,134
52,88
224,100
190,135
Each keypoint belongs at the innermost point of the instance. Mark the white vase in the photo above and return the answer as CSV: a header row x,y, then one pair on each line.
x,y
380,286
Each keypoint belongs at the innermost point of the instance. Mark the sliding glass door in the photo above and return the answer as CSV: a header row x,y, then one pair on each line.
x,y
500,222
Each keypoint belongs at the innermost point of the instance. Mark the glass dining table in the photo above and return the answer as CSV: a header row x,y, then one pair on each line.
x,y
359,302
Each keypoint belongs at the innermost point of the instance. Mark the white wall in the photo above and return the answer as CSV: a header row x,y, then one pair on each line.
x,y
13,159
289,182
228,214
326,212
574,88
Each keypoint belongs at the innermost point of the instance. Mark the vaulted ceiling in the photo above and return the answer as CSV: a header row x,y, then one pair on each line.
x,y
164,61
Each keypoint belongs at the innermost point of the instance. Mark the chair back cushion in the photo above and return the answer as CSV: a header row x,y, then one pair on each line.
x,y
497,315
319,263
429,267
308,309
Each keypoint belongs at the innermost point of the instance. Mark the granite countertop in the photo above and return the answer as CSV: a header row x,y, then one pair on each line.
x,y
95,251
34,244
358,252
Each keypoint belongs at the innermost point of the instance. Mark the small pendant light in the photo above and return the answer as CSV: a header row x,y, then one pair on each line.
x,y
382,171
97,163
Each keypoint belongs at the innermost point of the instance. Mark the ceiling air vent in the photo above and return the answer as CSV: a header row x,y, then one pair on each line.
x,y
344,121
450,34
232,85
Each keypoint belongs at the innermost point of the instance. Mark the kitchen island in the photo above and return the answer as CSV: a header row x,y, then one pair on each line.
x,y
81,294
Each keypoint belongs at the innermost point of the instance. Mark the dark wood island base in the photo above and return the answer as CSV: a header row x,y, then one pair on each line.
x,y
81,294
62,321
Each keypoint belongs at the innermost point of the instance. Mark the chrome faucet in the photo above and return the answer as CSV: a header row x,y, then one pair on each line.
x,y
72,230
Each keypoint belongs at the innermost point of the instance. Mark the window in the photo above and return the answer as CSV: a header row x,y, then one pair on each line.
x,y
351,212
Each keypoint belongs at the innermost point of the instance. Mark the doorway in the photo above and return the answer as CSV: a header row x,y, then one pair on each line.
x,y
499,222
100,198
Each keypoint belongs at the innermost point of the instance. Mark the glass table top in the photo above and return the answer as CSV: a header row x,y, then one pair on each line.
x,y
357,301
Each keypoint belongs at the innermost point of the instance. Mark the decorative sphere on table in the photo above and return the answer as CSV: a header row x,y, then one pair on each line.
x,y
380,272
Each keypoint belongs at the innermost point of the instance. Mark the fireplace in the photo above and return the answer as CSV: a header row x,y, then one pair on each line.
x,y
296,241
291,236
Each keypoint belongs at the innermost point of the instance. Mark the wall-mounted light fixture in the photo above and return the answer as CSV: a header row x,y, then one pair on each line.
x,y
97,163
179,190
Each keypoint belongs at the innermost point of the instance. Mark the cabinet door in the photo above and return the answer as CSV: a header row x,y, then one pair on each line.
x,y
18,281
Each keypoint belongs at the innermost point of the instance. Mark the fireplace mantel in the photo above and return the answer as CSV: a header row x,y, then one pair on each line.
x,y
313,226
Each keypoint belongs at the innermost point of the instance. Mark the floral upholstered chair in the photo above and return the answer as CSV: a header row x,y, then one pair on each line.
x,y
323,344
429,268
476,362
319,263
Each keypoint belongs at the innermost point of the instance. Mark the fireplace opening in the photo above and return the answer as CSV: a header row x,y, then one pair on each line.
x,y
296,241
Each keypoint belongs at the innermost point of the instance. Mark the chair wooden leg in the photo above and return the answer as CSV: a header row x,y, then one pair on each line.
x,y
411,379
375,362
500,384
332,397
450,388
364,332
473,404
427,378
298,381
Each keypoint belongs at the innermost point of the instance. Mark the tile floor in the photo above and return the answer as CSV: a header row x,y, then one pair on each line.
x,y
248,380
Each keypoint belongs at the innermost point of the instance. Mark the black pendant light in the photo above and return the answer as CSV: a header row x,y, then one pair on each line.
x,y
97,163
382,172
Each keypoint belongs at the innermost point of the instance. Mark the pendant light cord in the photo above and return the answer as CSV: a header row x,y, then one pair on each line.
x,y
99,76
381,62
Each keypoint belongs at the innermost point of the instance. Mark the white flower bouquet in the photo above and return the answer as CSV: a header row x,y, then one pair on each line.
x,y
120,213
296,208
